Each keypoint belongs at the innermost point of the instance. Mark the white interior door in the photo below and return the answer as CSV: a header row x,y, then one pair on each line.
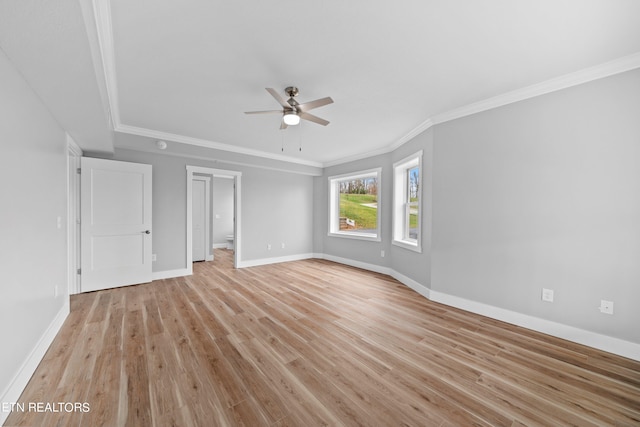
x,y
198,220
115,224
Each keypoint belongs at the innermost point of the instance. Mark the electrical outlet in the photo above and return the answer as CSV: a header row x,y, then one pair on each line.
x,y
55,291
154,257
547,295
382,254
268,246
606,307
282,245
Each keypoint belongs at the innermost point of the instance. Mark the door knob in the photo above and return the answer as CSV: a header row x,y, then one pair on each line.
x,y
147,231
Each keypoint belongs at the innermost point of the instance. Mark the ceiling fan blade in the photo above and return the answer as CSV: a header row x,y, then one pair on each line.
x,y
313,118
278,98
283,125
307,106
264,112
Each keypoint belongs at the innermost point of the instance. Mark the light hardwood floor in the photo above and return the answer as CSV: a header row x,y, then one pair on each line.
x,y
312,343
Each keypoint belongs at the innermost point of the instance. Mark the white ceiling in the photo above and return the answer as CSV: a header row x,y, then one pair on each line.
x,y
49,44
186,71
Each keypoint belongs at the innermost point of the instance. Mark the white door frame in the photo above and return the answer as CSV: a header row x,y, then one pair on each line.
x,y
74,153
208,255
216,173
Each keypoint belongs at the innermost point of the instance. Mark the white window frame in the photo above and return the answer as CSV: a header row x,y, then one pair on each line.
x,y
401,204
334,205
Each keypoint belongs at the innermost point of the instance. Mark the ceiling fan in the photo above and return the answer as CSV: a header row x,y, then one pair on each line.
x,y
292,111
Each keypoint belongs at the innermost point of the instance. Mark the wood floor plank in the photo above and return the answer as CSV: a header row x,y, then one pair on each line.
x,y
313,343
197,351
136,371
104,390
307,409
334,399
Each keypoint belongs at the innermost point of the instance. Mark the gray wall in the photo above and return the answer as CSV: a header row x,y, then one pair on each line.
x,y
544,193
277,207
540,193
414,265
222,209
359,250
33,251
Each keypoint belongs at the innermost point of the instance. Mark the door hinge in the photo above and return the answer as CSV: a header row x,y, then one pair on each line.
x,y
79,171
79,271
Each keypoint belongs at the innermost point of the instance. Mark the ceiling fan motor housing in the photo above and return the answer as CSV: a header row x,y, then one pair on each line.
x,y
291,91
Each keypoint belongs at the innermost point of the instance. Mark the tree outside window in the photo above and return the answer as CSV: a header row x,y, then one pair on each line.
x,y
413,202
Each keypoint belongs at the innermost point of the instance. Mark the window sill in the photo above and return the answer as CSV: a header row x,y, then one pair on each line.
x,y
415,247
356,236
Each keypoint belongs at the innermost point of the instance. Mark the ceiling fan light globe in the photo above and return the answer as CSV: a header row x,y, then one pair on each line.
x,y
291,119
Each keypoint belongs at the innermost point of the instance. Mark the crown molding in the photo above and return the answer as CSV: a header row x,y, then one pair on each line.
x,y
102,13
617,66
219,161
150,133
104,29
408,137
93,35
360,156
412,134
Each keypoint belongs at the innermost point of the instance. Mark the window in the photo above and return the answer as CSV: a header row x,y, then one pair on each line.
x,y
407,179
353,205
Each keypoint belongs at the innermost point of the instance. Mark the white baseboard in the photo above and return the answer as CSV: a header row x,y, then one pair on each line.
x,y
570,333
170,274
353,263
275,260
416,286
592,339
19,382
219,246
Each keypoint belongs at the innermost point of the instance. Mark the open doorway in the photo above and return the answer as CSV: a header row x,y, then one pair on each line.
x,y
222,195
201,218
228,192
